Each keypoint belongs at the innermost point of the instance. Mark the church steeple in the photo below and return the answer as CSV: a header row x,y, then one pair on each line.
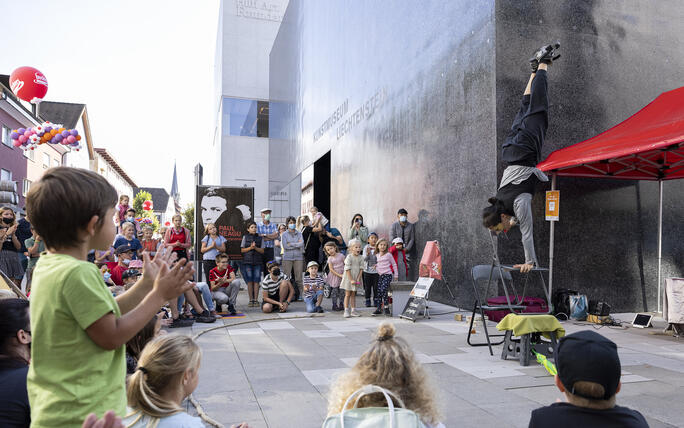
x,y
175,195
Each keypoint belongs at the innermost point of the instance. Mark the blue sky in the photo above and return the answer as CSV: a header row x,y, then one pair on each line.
x,y
144,68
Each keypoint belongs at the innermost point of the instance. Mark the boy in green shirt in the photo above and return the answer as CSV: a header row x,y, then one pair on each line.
x,y
78,329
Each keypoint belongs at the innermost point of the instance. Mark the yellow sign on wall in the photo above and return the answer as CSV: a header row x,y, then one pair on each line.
x,y
552,205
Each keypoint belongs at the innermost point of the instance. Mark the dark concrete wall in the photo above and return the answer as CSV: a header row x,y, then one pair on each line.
x,y
447,77
616,58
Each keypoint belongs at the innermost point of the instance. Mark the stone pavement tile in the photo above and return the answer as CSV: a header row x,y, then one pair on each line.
x,y
515,414
283,399
276,325
343,349
655,407
479,392
245,331
515,382
318,362
543,395
482,368
231,408
655,387
436,347
655,423
321,334
323,376
663,375
472,417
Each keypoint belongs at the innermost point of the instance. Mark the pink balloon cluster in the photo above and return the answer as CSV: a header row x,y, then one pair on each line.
x,y
46,132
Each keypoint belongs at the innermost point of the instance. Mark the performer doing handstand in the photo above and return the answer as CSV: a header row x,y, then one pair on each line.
x,y
521,150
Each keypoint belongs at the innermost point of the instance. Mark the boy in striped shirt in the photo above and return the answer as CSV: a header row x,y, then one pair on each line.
x,y
313,288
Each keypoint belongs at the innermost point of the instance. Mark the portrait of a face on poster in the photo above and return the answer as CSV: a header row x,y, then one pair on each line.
x,y
227,208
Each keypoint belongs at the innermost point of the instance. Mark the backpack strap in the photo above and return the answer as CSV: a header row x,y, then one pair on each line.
x,y
370,389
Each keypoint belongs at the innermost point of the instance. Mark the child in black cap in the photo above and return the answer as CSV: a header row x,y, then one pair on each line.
x,y
589,375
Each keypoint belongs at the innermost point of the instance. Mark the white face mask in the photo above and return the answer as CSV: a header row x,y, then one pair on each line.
x,y
402,219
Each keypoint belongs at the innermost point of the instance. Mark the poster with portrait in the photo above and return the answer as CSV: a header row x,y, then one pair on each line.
x,y
227,208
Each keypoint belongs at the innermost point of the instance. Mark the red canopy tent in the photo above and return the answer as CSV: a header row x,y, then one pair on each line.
x,y
647,146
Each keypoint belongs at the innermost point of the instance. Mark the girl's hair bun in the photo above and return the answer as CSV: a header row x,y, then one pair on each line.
x,y
386,331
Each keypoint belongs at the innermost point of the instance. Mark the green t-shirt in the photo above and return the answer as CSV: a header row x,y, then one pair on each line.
x,y
69,375
28,243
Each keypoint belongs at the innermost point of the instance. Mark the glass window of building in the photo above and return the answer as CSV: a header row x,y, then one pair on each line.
x,y
46,161
55,162
27,186
5,175
30,154
246,118
6,139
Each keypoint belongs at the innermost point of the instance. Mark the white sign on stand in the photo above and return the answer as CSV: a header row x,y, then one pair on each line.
x,y
417,302
422,287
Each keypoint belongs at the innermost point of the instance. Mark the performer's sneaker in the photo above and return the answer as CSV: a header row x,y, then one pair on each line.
x,y
545,55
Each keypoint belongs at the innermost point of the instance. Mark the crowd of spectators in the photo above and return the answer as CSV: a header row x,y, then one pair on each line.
x,y
64,358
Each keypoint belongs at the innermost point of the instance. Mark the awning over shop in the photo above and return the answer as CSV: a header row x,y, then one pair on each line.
x,y
647,146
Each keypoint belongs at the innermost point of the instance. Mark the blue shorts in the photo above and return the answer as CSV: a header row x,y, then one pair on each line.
x,y
311,300
251,273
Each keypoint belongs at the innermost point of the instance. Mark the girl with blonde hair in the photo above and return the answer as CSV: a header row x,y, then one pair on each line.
x,y
391,364
167,373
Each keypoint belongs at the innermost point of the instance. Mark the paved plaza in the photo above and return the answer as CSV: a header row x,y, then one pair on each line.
x,y
274,370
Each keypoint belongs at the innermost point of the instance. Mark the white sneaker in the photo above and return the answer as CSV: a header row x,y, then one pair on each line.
x,y
354,313
346,313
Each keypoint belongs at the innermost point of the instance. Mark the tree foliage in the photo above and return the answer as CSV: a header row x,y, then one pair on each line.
x,y
189,219
138,201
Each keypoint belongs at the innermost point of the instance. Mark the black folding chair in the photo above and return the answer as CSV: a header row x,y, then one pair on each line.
x,y
480,273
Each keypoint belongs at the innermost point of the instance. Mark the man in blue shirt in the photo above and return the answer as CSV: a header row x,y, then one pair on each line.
x,y
268,232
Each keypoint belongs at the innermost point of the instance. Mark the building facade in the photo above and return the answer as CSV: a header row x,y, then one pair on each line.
x,y
246,33
14,161
105,165
405,105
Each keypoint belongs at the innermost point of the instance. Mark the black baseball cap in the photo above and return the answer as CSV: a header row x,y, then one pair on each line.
x,y
402,211
124,248
129,273
587,356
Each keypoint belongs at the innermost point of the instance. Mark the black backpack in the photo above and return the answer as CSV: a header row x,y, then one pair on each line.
x,y
561,302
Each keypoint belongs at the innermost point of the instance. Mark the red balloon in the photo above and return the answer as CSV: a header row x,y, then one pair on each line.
x,y
29,84
168,223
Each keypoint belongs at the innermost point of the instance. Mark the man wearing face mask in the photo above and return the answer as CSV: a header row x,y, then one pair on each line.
x,y
292,243
269,233
124,254
405,230
15,353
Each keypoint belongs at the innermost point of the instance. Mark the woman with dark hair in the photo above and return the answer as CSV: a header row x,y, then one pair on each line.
x,y
521,150
15,354
293,254
358,230
252,248
312,241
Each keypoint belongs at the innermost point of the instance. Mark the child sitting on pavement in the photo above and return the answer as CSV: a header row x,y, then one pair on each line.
x,y
224,288
130,277
278,291
78,329
313,289
589,375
